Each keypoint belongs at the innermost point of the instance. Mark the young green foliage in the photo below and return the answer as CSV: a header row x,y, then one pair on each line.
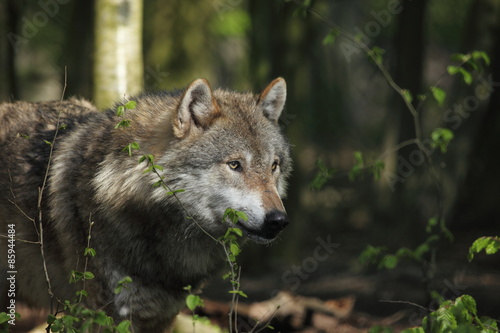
x,y
441,138
120,112
122,284
358,166
331,37
490,245
323,175
131,147
439,95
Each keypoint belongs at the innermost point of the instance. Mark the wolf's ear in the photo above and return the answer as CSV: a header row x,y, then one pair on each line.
x,y
197,109
272,99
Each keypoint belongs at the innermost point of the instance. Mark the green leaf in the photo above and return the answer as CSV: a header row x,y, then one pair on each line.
x,y
130,147
389,261
439,95
56,326
124,326
476,55
193,301
48,142
330,37
322,176
491,245
370,254
4,317
123,283
404,252
75,276
466,76
406,94
123,123
376,53
421,250
148,158
88,275
102,319
175,192
452,70
234,248
469,303
120,111
431,223
441,138
89,252
82,293
158,167
358,166
377,169
239,292
242,215
131,105
50,319
234,215
237,231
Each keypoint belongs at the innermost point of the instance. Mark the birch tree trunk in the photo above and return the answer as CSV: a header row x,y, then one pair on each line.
x,y
118,64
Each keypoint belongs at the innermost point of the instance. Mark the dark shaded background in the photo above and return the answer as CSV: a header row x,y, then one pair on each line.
x,y
338,103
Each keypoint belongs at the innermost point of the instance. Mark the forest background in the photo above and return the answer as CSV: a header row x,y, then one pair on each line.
x,y
343,118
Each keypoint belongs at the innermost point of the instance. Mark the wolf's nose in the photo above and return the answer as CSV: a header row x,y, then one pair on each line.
x,y
276,220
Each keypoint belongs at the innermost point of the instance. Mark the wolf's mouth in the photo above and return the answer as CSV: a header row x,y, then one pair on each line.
x,y
259,236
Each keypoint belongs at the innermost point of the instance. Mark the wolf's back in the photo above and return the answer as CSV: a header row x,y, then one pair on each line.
x,y
27,132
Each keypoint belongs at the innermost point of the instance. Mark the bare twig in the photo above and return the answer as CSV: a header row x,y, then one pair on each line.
x,y
19,239
65,82
40,214
405,302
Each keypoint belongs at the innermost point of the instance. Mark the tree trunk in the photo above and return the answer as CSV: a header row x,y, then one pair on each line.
x,y
10,12
408,73
118,65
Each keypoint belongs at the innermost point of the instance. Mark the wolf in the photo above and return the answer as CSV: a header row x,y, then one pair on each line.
x,y
71,178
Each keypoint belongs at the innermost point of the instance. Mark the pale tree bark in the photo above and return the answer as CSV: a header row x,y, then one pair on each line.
x,y
118,64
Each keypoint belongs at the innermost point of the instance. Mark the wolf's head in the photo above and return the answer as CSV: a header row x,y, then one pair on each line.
x,y
228,151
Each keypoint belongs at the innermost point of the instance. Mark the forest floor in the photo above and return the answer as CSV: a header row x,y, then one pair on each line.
x,y
342,303
355,303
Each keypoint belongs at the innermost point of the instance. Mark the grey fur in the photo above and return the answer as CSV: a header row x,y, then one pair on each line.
x,y
138,230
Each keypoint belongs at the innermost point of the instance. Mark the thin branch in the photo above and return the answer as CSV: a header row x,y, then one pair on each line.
x,y
405,302
65,82
22,212
39,207
19,240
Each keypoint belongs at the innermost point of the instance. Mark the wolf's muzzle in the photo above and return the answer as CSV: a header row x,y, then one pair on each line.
x,y
274,222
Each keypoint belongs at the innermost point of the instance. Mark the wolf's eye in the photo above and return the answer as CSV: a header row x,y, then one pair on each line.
x,y
274,166
234,165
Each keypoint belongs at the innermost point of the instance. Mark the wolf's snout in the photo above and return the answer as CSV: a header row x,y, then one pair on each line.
x,y
276,221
